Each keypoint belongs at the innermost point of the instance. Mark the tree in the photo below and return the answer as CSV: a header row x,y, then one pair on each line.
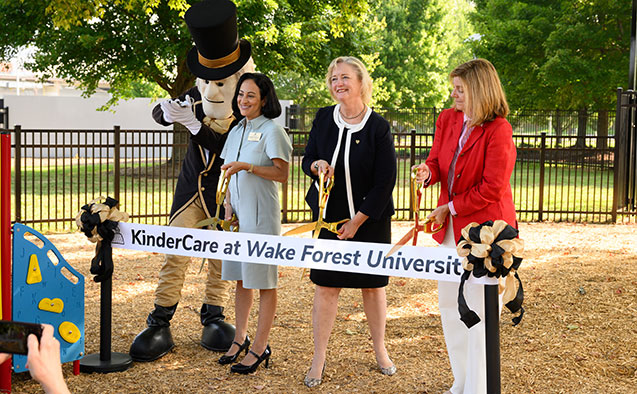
x,y
512,36
416,48
589,59
571,54
117,42
122,42
566,54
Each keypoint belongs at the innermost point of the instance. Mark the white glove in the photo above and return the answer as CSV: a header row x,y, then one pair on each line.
x,y
166,109
176,111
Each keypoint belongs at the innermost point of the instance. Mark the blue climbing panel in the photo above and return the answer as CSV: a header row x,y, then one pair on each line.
x,y
47,291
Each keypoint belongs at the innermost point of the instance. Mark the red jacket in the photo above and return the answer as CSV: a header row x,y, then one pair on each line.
x,y
481,188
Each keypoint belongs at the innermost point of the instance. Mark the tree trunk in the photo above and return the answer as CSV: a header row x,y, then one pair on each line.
x,y
557,125
181,138
582,120
602,129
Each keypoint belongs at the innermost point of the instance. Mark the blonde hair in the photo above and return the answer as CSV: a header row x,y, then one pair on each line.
x,y
361,72
484,94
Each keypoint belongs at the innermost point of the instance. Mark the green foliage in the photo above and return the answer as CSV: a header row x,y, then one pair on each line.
x,y
294,41
132,44
115,41
141,41
302,89
567,54
421,39
302,35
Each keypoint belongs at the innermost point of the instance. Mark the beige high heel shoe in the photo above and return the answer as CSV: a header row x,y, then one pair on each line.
x,y
389,371
313,382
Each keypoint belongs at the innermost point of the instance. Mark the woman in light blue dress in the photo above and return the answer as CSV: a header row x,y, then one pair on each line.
x,y
256,156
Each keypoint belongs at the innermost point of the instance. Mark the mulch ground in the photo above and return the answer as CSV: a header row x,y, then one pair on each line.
x,y
579,334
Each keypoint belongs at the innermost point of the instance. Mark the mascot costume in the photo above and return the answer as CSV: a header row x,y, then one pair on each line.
x,y
217,60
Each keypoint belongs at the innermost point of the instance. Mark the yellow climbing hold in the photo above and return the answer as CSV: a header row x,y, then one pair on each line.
x,y
55,305
69,332
34,275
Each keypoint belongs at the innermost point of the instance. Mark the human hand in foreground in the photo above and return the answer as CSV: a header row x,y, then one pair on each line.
x,y
4,357
422,173
234,166
348,229
323,166
43,361
439,214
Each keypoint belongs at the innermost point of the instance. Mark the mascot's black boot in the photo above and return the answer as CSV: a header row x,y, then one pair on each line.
x,y
155,341
217,335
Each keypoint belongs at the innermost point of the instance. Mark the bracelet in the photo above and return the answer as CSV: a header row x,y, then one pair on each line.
x,y
251,168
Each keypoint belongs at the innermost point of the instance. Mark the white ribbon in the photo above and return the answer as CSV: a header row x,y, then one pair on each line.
x,y
434,263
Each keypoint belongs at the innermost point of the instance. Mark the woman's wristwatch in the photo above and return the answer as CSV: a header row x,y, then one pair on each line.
x,y
316,165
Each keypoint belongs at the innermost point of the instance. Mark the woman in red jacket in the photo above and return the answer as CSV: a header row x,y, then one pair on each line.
x,y
472,157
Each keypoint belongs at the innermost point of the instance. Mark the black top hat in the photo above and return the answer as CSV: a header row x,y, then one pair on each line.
x,y
218,52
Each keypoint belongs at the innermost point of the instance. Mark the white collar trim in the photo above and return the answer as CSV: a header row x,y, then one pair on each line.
x,y
351,128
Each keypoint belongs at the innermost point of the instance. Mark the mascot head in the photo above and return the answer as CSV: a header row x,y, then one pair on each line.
x,y
218,58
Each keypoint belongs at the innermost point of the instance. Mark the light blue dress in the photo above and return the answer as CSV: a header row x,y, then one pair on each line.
x,y
255,200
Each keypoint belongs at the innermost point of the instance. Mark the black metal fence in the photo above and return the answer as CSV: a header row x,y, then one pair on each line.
x,y
626,168
565,169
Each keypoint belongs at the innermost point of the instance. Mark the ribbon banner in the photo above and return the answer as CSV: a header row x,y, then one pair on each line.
x,y
434,263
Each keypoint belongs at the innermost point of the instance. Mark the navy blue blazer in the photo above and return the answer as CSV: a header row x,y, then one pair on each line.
x,y
372,161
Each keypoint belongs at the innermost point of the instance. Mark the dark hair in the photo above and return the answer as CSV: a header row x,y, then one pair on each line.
x,y
272,107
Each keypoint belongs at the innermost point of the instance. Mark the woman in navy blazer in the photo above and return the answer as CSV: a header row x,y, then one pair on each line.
x,y
353,143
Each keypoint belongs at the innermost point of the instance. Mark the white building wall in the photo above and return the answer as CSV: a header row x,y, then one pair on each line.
x,y
78,113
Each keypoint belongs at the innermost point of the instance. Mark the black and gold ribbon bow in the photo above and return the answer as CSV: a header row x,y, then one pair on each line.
x,y
325,186
98,222
491,249
428,226
225,225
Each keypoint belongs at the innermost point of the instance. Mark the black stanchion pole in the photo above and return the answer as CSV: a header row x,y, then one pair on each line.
x,y
106,306
492,333
106,361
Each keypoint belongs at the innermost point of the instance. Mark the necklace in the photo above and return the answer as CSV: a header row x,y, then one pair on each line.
x,y
355,116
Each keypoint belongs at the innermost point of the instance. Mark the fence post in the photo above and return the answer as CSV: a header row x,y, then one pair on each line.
x,y
412,162
284,190
5,246
542,159
18,173
116,156
616,156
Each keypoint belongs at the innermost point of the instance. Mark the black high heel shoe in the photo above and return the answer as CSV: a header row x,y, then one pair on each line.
x,y
232,358
246,369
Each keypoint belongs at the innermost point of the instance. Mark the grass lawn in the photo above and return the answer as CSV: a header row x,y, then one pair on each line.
x,y
53,192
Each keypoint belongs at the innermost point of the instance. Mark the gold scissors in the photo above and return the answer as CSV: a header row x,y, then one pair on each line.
x,y
226,225
427,227
325,186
